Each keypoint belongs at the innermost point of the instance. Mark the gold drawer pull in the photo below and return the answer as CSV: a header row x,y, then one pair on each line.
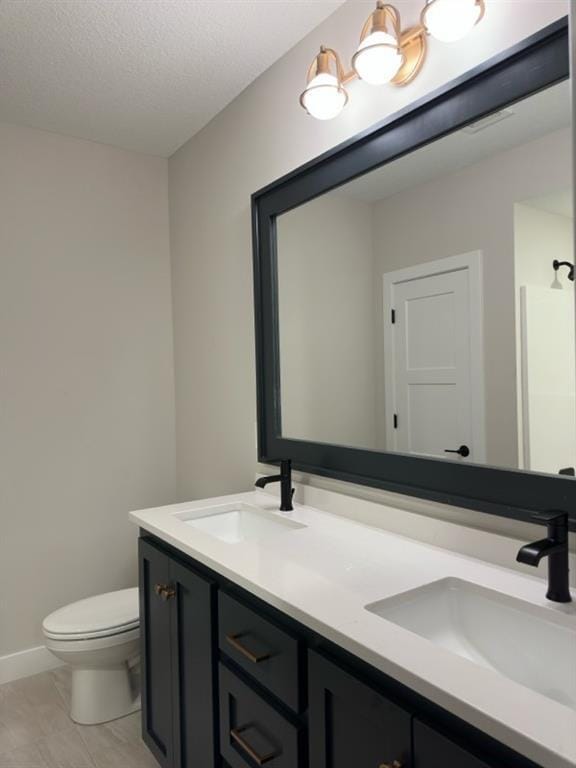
x,y
164,591
234,641
395,764
235,733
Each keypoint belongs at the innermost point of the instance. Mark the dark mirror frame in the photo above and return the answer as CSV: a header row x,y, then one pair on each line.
x,y
538,62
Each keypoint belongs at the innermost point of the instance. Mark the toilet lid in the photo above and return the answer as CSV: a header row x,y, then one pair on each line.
x,y
98,616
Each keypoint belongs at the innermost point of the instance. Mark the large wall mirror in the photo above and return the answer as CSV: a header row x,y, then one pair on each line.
x,y
415,316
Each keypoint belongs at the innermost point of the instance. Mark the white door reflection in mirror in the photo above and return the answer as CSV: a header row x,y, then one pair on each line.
x,y
434,371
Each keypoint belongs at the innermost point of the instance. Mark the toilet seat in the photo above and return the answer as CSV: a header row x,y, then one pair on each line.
x,y
71,645
102,616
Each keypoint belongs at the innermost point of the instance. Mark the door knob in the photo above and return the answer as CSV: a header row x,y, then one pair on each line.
x,y
462,451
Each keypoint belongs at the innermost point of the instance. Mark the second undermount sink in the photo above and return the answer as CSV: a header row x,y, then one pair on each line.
x,y
533,646
237,522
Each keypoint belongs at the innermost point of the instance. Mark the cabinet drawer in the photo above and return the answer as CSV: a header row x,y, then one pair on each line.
x,y
267,653
251,731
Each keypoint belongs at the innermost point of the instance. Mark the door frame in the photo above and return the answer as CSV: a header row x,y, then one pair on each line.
x,y
472,262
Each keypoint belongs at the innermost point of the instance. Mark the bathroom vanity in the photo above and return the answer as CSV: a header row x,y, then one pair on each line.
x,y
306,640
386,272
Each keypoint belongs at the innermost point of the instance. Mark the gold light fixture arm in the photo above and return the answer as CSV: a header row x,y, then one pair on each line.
x,y
321,65
377,21
414,46
412,42
482,5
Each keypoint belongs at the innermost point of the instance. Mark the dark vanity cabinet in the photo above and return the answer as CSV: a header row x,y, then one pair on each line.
x,y
230,682
156,668
261,688
177,621
352,724
272,656
433,750
252,730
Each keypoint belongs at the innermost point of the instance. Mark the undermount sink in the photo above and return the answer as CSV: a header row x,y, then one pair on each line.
x,y
237,522
533,646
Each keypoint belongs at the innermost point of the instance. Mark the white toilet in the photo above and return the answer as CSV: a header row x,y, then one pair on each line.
x,y
99,639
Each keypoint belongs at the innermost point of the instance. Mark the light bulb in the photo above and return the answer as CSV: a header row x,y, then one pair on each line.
x,y
377,59
324,97
451,20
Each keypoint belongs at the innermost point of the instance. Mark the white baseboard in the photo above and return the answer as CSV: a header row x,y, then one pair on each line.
x,y
32,661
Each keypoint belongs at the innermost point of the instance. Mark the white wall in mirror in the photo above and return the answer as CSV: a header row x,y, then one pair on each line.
x,y
327,322
485,189
544,230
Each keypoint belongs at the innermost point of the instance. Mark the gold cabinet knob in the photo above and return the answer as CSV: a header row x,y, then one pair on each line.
x,y
164,591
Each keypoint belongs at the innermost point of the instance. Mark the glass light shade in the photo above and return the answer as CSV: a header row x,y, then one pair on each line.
x,y
324,98
451,20
378,59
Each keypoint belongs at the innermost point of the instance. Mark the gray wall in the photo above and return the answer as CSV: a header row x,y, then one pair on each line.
x,y
261,135
86,377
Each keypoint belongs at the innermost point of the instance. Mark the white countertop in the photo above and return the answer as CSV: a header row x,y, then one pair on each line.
x,y
324,574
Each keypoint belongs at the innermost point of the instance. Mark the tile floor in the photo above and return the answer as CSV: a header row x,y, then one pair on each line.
x,y
36,732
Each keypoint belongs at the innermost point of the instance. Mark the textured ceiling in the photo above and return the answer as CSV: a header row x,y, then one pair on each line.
x,y
140,74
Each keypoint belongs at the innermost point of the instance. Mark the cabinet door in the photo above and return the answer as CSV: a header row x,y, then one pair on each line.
x,y
193,648
156,669
351,724
432,750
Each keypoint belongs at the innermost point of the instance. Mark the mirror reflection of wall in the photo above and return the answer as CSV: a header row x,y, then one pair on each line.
x,y
457,238
544,234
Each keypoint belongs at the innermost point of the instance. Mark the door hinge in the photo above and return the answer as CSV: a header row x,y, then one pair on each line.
x,y
393,316
395,421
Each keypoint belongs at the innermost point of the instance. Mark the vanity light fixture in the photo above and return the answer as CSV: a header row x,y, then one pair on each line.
x,y
451,20
386,53
379,56
324,96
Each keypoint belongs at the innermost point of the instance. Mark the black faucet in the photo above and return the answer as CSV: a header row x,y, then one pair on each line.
x,y
555,548
285,480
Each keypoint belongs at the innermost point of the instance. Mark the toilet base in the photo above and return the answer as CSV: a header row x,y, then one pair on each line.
x,y
100,695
